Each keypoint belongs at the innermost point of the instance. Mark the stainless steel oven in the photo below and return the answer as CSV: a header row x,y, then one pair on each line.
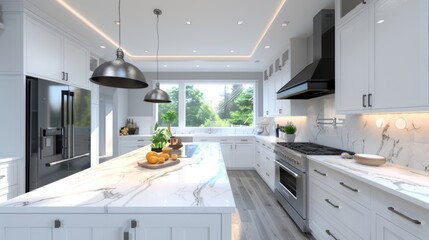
x,y
292,176
291,191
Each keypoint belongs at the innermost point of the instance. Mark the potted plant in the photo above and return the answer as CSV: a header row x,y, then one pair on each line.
x,y
159,138
169,117
290,130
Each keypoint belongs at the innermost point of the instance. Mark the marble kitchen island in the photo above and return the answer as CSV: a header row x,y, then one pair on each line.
x,y
120,200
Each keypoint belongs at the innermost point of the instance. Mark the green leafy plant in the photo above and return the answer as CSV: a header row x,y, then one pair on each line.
x,y
169,117
290,128
160,137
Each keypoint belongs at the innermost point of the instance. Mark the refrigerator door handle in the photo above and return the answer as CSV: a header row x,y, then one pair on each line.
x,y
65,122
71,117
66,160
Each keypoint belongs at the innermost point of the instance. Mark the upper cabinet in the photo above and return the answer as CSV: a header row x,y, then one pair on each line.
x,y
292,61
52,56
382,57
346,9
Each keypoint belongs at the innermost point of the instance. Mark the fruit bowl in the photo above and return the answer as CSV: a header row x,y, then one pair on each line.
x,y
369,159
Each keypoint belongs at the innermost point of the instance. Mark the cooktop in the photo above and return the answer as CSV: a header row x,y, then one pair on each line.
x,y
312,148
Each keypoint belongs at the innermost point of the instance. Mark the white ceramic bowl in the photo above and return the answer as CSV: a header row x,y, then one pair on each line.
x,y
370,159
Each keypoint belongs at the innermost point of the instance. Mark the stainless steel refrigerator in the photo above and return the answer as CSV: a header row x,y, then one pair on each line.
x,y
58,130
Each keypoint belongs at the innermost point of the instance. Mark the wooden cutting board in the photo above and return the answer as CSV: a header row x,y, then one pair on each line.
x,y
168,163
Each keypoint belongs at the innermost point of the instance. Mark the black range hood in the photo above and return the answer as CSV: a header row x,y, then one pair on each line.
x,y
318,78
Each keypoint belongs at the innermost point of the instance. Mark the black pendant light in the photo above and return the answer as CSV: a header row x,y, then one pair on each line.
x,y
157,95
118,73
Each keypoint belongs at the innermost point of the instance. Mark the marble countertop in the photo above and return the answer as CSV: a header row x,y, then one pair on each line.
x,y
195,135
198,184
409,184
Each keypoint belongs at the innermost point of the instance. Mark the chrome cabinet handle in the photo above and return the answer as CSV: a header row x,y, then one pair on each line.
x,y
323,174
141,140
330,203
392,209
57,223
2,176
244,140
267,174
330,234
364,100
369,100
67,76
63,76
348,187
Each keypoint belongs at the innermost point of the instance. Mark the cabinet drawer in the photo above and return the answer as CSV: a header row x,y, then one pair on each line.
x,y
245,139
321,228
8,174
8,193
353,216
402,213
355,190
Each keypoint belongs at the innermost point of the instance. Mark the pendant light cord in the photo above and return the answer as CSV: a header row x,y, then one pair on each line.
x,y
120,23
157,48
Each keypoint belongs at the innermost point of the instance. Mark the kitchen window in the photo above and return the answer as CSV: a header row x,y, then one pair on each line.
x,y
211,104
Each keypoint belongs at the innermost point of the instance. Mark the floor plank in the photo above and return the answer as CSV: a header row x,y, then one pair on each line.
x,y
259,216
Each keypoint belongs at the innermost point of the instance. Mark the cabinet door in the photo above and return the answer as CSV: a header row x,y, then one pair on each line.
x,y
265,98
282,106
386,230
227,154
352,64
401,54
76,64
346,9
43,51
244,155
179,227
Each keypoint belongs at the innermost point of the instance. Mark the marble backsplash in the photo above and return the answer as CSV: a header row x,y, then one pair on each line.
x,y
401,138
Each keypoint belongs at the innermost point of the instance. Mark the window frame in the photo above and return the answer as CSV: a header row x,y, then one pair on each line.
x,y
182,98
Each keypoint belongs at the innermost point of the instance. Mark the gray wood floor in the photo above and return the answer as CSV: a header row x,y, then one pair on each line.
x,y
259,216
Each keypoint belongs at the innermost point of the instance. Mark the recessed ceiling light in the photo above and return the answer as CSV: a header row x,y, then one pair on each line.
x,y
188,22
228,66
267,46
231,51
102,46
285,23
117,22
165,65
381,21
240,22
197,66
146,51
194,51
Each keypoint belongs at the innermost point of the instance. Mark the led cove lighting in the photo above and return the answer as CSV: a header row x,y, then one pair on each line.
x,y
177,57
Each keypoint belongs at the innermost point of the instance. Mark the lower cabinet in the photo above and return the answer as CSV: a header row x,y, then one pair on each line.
x,y
111,226
131,143
342,207
264,162
237,152
8,180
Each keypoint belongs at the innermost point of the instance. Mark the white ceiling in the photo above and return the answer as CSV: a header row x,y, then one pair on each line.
x,y
213,31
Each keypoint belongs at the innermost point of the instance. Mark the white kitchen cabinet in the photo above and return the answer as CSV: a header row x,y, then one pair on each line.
x,y
352,63
131,143
348,208
401,54
386,230
382,58
112,227
237,152
264,162
269,98
347,9
52,56
8,180
10,44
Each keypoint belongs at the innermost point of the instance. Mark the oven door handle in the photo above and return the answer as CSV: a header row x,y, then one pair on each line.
x,y
294,174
